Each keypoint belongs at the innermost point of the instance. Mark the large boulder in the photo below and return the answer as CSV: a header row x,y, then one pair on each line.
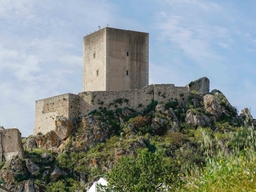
x,y
197,119
32,167
212,106
56,173
63,127
48,141
30,143
92,131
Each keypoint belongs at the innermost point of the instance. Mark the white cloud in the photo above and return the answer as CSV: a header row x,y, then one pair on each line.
x,y
20,8
191,33
41,52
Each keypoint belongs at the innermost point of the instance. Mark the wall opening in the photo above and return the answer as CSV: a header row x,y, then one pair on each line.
x,y
97,72
127,72
127,53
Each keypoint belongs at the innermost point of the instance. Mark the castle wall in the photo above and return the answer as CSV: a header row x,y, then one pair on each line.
x,y
135,99
94,63
10,144
74,106
168,92
47,111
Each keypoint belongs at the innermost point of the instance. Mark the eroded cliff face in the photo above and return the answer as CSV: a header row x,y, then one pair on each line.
x,y
77,152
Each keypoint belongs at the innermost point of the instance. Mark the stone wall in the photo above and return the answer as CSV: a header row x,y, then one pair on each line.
x,y
10,144
71,106
201,85
49,109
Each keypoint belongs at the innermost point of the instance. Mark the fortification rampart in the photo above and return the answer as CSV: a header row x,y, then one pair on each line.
x,y
47,111
10,144
73,106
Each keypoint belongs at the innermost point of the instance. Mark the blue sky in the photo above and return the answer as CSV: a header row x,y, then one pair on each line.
x,y
41,47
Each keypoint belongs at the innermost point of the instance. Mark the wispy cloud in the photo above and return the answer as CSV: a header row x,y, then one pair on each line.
x,y
191,31
21,8
41,52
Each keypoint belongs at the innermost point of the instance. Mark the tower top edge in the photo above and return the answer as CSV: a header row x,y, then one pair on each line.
x,y
116,29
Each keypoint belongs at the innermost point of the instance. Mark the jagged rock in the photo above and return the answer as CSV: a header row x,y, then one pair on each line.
x,y
142,142
92,131
159,125
32,167
30,186
63,127
8,177
56,173
201,85
30,143
160,108
127,112
20,187
247,117
175,120
47,141
196,119
47,158
14,169
212,106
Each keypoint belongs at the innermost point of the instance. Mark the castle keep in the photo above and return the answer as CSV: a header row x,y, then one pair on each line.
x,y
115,75
115,60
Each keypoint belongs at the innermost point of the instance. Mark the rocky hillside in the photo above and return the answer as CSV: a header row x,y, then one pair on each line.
x,y
75,154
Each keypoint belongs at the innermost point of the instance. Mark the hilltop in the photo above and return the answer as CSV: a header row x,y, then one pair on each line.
x,y
187,132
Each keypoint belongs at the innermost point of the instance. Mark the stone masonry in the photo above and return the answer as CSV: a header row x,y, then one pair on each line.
x,y
115,60
115,75
10,144
72,107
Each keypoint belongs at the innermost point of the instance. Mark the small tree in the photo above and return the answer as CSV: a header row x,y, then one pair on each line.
x,y
148,172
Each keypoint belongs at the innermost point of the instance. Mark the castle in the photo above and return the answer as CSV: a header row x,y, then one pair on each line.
x,y
115,75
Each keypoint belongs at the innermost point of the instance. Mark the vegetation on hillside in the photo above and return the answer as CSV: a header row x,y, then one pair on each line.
x,y
159,149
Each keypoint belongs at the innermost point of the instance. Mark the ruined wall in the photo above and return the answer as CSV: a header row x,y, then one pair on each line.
x,y
115,99
47,111
73,106
10,144
201,85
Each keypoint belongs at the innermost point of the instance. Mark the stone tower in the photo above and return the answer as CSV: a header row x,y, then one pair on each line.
x,y
114,60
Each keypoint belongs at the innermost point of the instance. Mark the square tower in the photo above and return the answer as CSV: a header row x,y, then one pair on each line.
x,y
115,60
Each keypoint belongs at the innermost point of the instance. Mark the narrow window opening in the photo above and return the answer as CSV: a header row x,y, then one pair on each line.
x,y
94,55
97,73
127,72
127,53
